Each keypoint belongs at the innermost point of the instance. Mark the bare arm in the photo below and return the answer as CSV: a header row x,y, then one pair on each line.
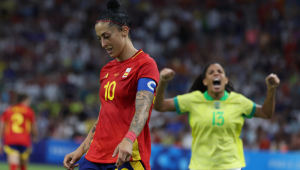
x,y
85,145
143,104
73,157
268,108
34,132
162,104
2,125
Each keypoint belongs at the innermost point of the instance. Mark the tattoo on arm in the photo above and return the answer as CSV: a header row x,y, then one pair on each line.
x,y
128,140
143,103
94,128
85,149
93,131
89,138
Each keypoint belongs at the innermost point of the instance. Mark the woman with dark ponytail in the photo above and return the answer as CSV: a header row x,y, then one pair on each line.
x,y
120,138
216,115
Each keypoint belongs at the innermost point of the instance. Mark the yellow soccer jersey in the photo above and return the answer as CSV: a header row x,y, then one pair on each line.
x,y
216,127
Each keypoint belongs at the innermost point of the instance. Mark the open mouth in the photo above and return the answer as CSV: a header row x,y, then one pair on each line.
x,y
217,82
109,50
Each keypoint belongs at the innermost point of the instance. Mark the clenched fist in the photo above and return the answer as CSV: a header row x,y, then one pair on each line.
x,y
166,75
272,81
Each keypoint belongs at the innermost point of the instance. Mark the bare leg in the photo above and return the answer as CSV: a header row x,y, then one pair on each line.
x,y
13,161
24,164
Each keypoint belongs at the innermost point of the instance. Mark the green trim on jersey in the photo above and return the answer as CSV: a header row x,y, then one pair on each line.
x,y
252,112
216,126
177,106
208,97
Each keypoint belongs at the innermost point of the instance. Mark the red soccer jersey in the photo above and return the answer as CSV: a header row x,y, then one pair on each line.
x,y
18,120
118,91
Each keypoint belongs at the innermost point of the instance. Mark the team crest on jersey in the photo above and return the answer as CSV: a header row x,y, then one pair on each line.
x,y
217,105
126,73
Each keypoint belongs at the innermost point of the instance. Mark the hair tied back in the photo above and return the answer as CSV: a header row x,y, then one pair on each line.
x,y
113,4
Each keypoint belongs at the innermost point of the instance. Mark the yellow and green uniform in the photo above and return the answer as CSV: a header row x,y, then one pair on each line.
x,y
216,127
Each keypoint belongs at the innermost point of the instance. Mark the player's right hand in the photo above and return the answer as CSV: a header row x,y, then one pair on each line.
x,y
71,159
166,74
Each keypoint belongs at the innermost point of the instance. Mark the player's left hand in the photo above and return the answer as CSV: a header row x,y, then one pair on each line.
x,y
272,81
124,149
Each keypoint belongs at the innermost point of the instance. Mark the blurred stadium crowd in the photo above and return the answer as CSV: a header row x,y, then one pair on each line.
x,y
48,49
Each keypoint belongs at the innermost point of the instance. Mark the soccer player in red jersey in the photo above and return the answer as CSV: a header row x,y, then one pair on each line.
x,y
17,125
120,138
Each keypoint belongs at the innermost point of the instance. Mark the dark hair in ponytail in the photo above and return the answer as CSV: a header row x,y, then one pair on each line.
x,y
115,16
198,83
21,97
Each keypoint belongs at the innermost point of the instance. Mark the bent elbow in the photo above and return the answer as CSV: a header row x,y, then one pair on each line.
x,y
157,108
268,115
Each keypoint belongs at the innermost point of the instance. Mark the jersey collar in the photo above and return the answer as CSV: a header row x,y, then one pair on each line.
x,y
135,55
208,97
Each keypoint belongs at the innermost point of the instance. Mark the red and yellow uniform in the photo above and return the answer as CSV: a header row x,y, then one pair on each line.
x,y
18,121
119,81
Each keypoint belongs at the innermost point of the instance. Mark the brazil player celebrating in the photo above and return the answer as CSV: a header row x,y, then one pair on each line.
x,y
17,125
216,116
120,138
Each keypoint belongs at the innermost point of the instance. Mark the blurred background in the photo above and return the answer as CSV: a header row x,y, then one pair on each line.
x,y
49,50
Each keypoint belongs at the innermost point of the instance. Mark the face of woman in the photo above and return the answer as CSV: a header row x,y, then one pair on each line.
x,y
111,38
215,78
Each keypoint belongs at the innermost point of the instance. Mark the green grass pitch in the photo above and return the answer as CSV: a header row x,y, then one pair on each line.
x,y
4,166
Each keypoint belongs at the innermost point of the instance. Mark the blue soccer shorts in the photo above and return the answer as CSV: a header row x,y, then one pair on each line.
x,y
133,165
23,151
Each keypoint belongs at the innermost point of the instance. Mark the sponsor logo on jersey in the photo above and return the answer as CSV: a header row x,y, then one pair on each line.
x,y
217,105
126,73
116,74
106,76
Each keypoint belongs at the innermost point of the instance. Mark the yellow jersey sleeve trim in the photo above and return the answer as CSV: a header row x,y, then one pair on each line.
x,y
177,106
252,112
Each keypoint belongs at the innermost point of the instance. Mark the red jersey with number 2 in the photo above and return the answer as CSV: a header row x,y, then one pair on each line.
x,y
118,91
18,120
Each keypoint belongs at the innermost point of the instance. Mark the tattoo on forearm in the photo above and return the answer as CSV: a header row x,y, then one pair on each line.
x,y
128,140
91,139
143,103
84,149
94,128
